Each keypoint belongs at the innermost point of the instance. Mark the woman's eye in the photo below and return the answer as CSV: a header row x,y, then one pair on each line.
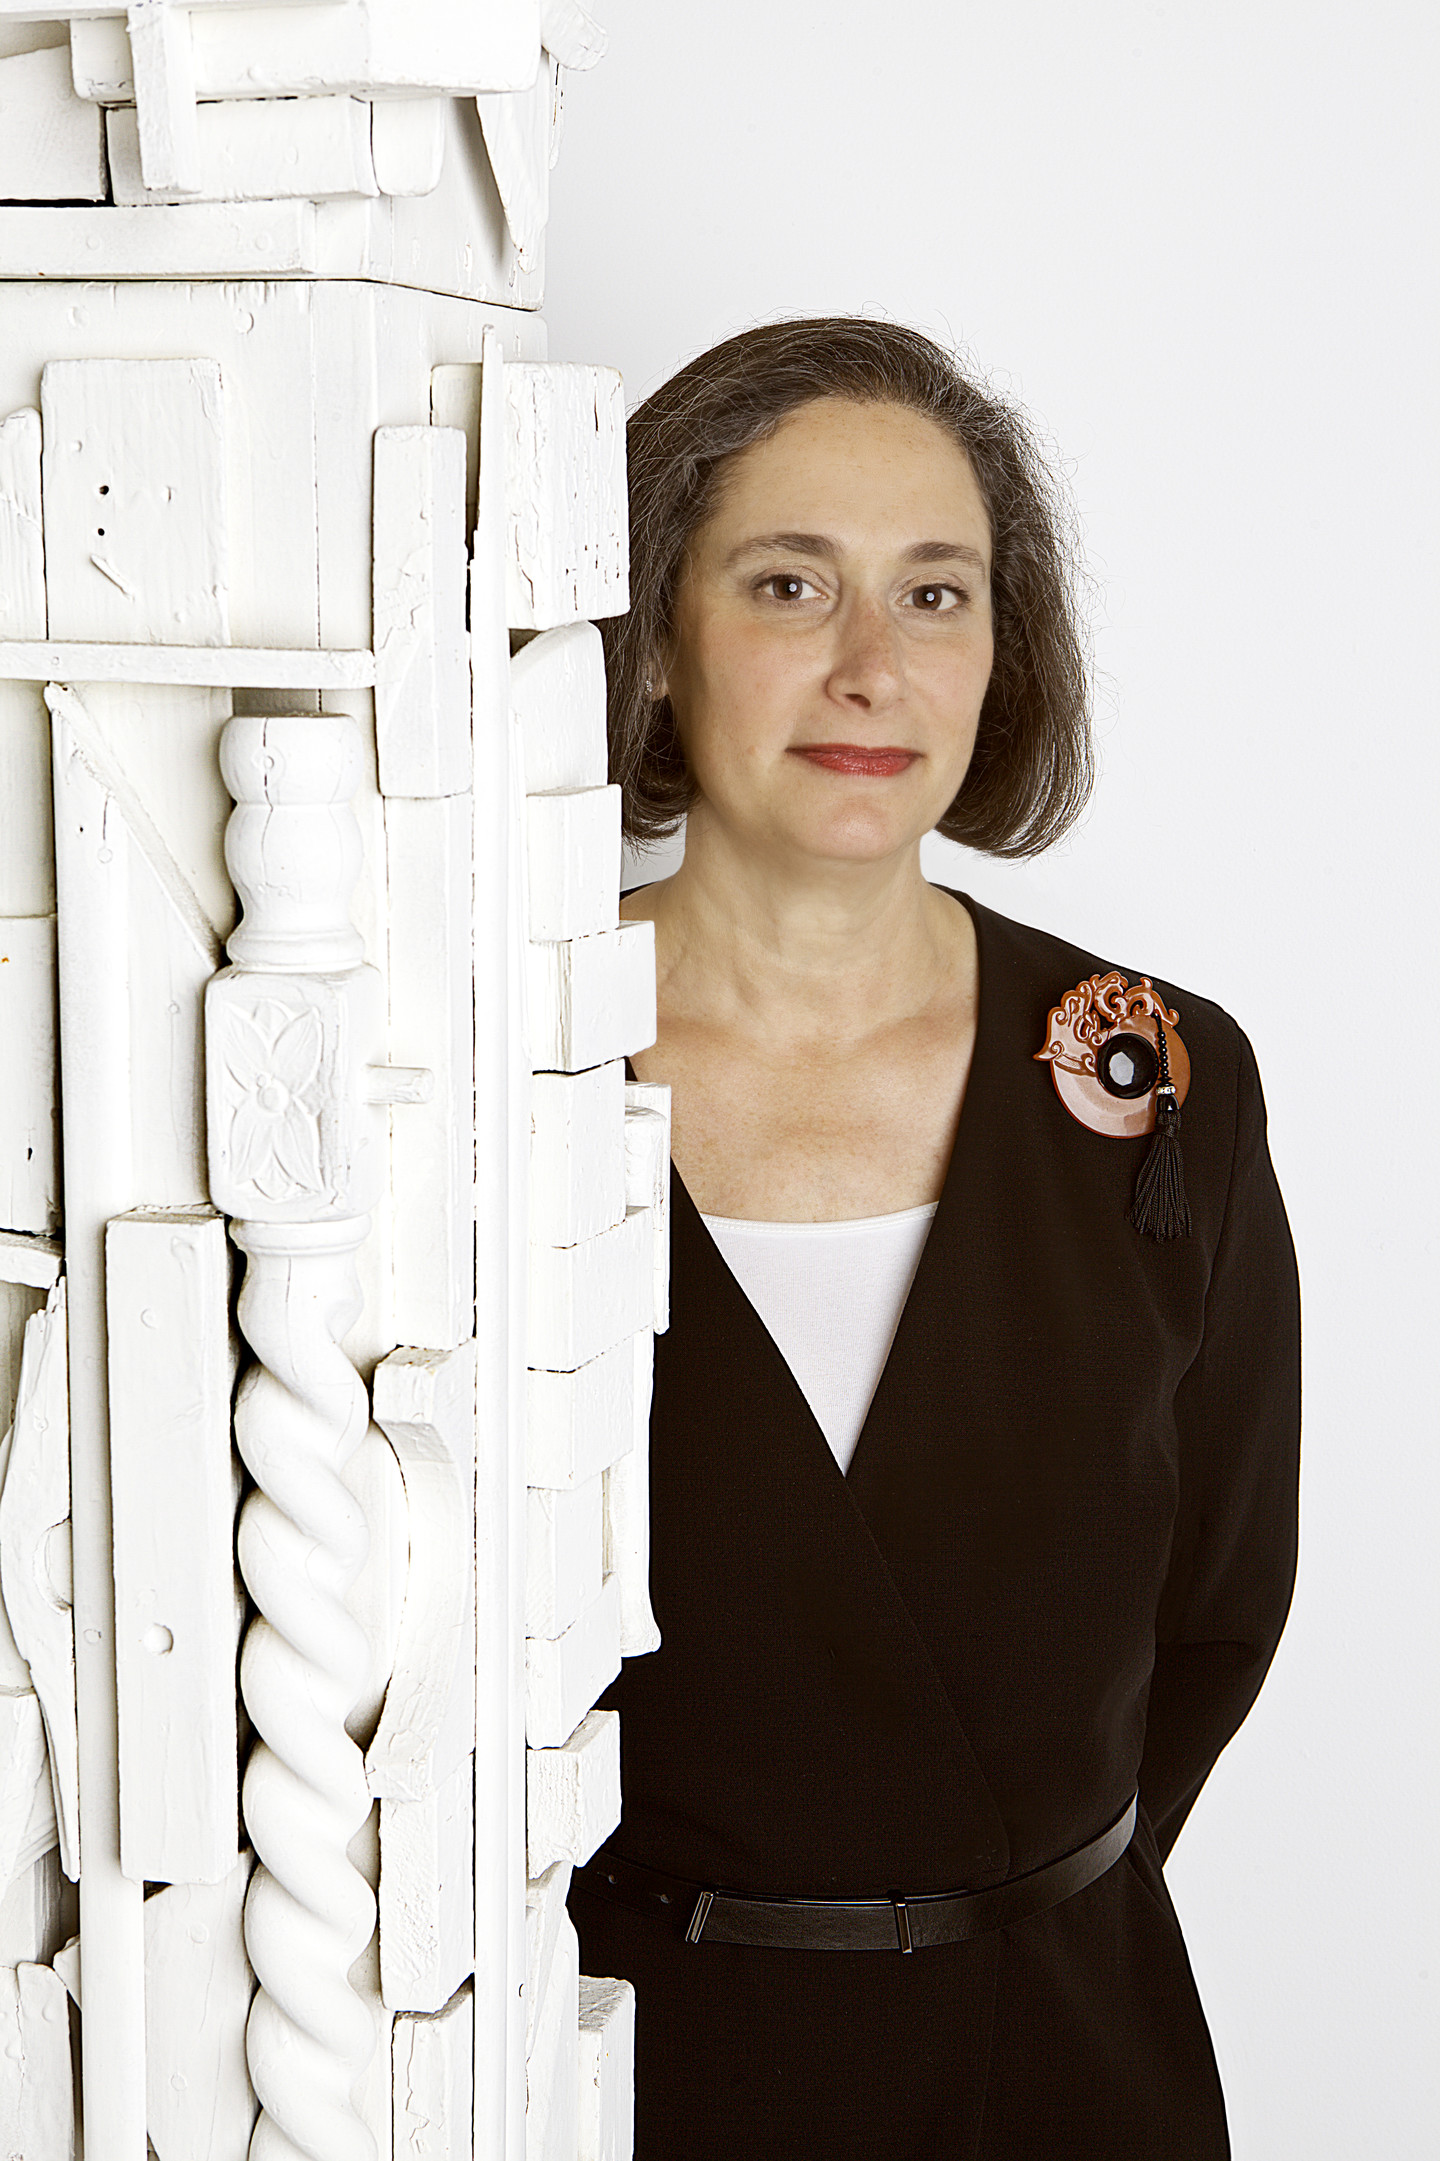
x,y
936,599
786,585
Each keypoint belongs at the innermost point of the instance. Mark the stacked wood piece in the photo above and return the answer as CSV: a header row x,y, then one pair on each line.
x,y
332,1237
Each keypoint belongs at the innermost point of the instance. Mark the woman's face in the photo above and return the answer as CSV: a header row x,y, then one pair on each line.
x,y
833,635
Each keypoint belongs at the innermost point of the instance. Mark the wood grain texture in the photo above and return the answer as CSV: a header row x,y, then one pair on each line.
x,y
200,2105
173,1501
427,1906
606,2127
133,479
422,666
592,999
22,547
432,2059
569,532
573,1794
563,1677
627,1515
577,1155
580,1422
255,150
573,862
557,689
52,143
29,1128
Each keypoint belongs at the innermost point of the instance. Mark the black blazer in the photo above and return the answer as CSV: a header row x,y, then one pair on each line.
x,y
1057,1569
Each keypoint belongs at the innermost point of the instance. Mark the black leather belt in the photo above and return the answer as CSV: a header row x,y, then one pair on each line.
x,y
852,1924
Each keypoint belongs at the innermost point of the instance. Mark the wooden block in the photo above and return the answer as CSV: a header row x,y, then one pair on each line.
x,y
193,240
52,144
198,1986
407,145
591,999
563,1677
33,1912
255,150
557,693
627,1517
162,68
22,550
585,1298
569,531
520,129
422,669
425,1401
606,2127
167,1311
233,666
433,2072
573,1794
134,494
647,1176
579,1423
577,1155
544,1911
36,2081
29,1150
432,1024
427,1895
28,1258
35,1568
27,1800
564,1545
552,2079
573,862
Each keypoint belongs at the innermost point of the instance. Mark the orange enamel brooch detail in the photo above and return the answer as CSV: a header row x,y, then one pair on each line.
x,y
1120,1069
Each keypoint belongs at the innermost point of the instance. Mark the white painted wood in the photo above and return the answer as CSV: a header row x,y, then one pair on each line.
x,y
193,240
432,1023
545,1898
407,143
27,1257
35,1571
573,862
647,1176
557,687
592,999
573,1794
29,1151
52,144
425,1401
422,671
564,1676
351,45
427,1906
552,2074
162,68
133,480
571,34
569,531
627,1516
564,1548
580,1422
585,1298
200,2105
520,129
250,667
255,150
36,2100
606,2127
18,1301
32,1922
375,1600
167,1313
27,1799
22,549
27,848
432,2058
577,1156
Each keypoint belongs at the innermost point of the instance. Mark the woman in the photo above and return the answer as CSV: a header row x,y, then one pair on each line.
x,y
931,1619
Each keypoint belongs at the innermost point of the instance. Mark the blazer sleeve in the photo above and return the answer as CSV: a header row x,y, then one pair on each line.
x,y
1232,1565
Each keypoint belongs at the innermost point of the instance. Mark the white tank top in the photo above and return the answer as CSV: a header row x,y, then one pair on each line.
x,y
831,1295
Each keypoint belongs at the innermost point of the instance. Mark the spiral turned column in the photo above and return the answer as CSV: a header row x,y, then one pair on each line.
x,y
294,1035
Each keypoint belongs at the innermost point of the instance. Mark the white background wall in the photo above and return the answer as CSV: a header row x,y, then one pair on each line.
x,y
1200,245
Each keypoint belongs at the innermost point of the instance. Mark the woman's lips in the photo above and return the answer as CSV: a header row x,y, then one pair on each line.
x,y
854,758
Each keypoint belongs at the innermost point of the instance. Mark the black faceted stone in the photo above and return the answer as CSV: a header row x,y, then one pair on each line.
x,y
1127,1066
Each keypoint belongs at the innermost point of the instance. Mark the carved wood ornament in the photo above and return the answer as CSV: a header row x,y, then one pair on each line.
x,y
1100,1045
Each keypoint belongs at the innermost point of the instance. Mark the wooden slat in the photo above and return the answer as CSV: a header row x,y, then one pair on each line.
x,y
573,862
564,1549
22,549
564,1677
647,1176
606,2127
198,1986
573,1794
256,150
162,68
557,690
36,2097
552,2073
233,666
433,2078
422,680
577,1156
195,240
580,1422
627,1515
568,546
52,143
29,1138
585,1298
592,999
427,1914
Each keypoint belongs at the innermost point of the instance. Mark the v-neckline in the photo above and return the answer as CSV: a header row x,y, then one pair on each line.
x,y
944,1208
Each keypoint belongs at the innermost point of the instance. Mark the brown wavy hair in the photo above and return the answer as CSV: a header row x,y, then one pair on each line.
x,y
1033,765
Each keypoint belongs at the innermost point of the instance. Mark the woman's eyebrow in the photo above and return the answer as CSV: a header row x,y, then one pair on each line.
x,y
820,544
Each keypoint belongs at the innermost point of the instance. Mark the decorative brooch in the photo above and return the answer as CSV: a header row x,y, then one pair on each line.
x,y
1120,1069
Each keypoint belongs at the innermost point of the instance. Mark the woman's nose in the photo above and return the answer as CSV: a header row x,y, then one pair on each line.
x,y
867,668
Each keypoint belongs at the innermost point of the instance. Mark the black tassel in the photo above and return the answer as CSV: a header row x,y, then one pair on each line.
x,y
1160,1208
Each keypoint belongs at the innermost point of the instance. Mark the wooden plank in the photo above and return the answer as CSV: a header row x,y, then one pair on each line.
x,y
573,1794
573,860
36,2087
52,143
544,1911
580,1422
27,1798
172,1492
255,150
647,1176
29,1135
422,665
585,1298
233,666
22,549
564,1676
28,1258
520,127
199,2104
627,1516
162,68
433,2077
407,146
606,2127
577,1156
133,479
27,847
564,1549
569,531
592,999
427,1908
557,689
552,2078
193,240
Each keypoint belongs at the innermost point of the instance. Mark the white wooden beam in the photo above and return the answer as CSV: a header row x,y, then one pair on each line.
x,y
563,1677
557,689
545,1898
232,666
162,67
587,1297
563,1555
407,145
627,1516
606,2127
22,548
29,1137
422,679
592,999
569,534
552,2074
173,1496
647,1176
580,1422
198,1986
573,860
36,2087
26,1257
426,1902
433,2076
52,144
255,150
577,1156
573,1794
519,127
